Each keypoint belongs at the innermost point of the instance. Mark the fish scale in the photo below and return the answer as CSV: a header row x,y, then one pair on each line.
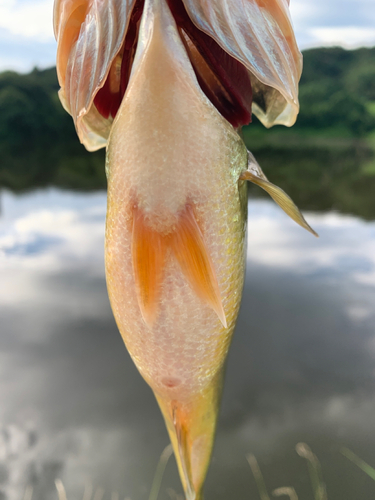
x,y
186,344
177,171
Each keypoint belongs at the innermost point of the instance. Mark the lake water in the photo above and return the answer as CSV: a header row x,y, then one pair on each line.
x,y
301,367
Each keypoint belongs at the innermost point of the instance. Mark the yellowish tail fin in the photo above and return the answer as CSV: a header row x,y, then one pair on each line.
x,y
191,426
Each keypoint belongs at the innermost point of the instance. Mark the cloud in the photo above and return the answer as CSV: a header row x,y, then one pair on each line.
x,y
277,242
73,405
348,36
66,238
26,35
22,55
337,22
29,20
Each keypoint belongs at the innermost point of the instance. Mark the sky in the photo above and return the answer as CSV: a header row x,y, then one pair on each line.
x,y
301,364
26,35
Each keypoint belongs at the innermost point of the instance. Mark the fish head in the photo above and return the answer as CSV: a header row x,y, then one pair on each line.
x,y
243,53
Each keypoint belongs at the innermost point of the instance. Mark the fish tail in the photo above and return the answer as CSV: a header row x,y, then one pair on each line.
x,y
191,426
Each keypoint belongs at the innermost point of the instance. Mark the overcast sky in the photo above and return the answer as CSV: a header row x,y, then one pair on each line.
x,y
26,36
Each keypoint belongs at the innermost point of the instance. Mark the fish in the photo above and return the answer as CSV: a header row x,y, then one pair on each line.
x,y
166,86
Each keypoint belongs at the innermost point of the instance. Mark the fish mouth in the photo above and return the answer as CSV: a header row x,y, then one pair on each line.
x,y
223,79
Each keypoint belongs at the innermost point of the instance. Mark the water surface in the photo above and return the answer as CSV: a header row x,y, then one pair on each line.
x,y
301,367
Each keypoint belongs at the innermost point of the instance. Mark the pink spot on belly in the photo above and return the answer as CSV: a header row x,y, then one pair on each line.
x,y
171,382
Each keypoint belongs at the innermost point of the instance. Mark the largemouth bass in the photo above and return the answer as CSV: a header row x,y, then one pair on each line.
x,y
166,86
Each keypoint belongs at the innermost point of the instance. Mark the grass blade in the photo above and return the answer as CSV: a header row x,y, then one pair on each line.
x,y
370,471
28,493
99,494
285,490
258,477
156,483
87,493
60,489
315,471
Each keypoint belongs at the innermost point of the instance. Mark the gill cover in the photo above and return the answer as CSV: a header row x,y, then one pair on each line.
x,y
259,33
91,34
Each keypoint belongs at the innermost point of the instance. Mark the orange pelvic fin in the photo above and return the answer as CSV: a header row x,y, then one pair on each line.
x,y
149,249
190,250
148,254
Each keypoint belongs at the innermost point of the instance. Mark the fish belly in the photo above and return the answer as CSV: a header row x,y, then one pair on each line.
x,y
170,154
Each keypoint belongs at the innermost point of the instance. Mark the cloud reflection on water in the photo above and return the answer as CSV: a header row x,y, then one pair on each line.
x,y
302,364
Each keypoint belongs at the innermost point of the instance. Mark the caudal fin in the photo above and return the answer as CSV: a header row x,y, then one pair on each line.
x,y
191,426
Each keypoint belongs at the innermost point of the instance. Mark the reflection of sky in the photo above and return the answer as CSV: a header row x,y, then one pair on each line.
x,y
301,367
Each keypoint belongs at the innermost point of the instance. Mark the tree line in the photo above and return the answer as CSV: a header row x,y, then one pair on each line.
x,y
39,146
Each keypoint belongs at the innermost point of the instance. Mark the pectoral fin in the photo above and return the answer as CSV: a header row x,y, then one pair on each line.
x,y
255,174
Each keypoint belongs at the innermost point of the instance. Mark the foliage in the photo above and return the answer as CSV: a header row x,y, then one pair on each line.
x,y
336,86
38,143
333,138
336,92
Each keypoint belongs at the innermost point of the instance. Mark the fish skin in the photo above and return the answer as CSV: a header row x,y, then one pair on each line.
x,y
176,170
170,147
